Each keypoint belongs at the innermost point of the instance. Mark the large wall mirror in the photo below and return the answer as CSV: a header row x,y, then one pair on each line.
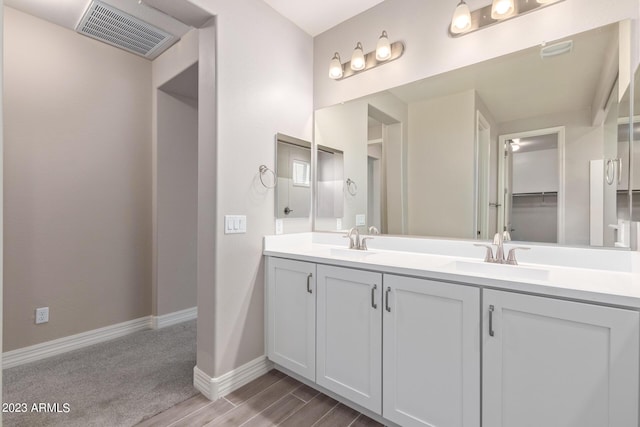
x,y
535,143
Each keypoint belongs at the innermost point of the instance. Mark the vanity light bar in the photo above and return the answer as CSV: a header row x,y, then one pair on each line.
x,y
370,60
385,52
482,18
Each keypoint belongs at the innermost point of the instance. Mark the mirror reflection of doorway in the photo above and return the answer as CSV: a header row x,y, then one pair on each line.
x,y
532,180
483,227
383,131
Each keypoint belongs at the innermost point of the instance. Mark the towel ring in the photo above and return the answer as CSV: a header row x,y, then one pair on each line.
x,y
263,169
352,187
610,171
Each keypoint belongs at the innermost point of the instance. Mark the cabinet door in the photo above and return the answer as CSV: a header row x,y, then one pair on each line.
x,y
350,334
549,362
431,353
291,315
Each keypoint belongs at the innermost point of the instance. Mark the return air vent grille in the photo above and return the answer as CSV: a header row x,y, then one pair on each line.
x,y
117,28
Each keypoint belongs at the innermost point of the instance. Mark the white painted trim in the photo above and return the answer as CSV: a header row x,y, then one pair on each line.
x,y
174,318
482,125
73,342
215,388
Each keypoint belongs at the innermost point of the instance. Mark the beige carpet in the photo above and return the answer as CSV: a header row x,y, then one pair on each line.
x,y
112,384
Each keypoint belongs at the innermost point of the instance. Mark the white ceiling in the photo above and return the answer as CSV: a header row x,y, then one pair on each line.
x,y
317,16
313,16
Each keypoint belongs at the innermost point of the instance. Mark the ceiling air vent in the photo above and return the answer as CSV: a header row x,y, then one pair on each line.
x,y
117,28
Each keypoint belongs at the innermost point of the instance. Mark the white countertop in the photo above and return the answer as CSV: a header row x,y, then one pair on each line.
x,y
614,281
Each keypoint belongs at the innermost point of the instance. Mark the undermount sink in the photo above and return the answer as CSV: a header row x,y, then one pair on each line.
x,y
502,271
350,253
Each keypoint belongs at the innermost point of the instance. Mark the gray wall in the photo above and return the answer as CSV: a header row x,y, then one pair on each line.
x,y
263,69
441,166
77,182
175,175
177,204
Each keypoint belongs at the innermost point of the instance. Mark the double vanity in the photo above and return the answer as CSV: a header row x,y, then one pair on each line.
x,y
422,332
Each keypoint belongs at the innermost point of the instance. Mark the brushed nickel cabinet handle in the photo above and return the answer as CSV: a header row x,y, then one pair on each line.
x,y
373,297
309,283
387,300
491,309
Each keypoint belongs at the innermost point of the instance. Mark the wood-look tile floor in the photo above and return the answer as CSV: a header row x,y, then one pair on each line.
x,y
274,399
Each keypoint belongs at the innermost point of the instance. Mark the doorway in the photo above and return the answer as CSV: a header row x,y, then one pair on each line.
x,y
483,166
175,284
531,185
384,141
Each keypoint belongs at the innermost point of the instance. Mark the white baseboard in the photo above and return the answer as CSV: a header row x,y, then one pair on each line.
x,y
215,388
174,318
73,342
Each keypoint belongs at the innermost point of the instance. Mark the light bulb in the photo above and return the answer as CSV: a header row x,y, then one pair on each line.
x,y
335,68
357,59
383,49
461,20
501,9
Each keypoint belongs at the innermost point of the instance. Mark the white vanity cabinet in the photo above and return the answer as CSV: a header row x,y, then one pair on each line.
x,y
291,315
349,340
426,353
548,362
431,353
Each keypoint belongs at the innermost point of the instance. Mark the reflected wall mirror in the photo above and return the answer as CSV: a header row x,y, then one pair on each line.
x,y
293,173
435,157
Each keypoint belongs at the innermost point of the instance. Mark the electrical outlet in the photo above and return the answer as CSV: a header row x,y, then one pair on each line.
x,y
42,315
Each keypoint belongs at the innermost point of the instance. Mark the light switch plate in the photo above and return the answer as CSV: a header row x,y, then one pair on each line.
x,y
279,226
235,224
360,220
338,224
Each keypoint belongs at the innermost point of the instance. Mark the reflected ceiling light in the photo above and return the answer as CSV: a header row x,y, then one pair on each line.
x,y
465,21
461,20
385,52
335,68
515,144
357,58
501,9
383,48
